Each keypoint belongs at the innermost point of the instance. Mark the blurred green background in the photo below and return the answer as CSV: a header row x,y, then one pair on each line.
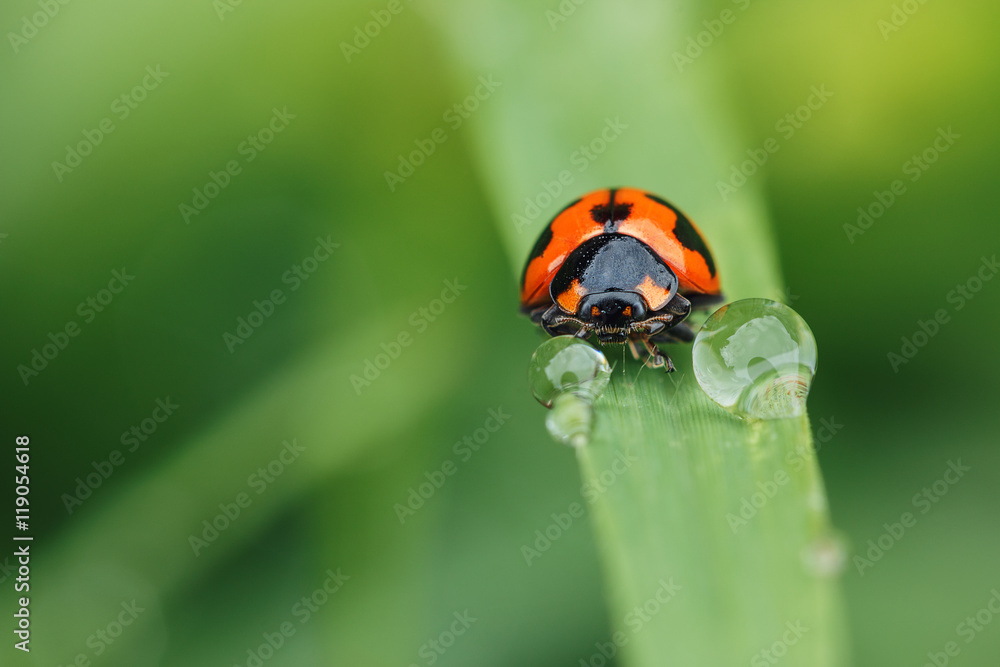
x,y
308,129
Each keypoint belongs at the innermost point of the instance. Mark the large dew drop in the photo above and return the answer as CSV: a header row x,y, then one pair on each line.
x,y
756,358
567,375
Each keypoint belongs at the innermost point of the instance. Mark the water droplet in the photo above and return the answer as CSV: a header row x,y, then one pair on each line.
x,y
756,358
567,365
567,375
825,556
570,419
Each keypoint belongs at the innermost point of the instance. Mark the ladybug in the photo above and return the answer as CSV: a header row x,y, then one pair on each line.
x,y
622,264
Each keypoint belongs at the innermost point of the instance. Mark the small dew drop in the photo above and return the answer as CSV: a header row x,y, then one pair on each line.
x,y
568,375
566,364
756,358
825,556
570,420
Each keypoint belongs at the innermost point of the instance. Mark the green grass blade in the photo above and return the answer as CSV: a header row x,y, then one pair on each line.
x,y
689,580
730,512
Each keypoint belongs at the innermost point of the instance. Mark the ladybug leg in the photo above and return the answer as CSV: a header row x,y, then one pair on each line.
x,y
655,358
537,314
657,325
667,324
671,318
646,351
554,323
638,352
679,307
547,320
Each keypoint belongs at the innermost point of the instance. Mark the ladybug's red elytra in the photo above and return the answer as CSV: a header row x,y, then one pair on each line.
x,y
622,264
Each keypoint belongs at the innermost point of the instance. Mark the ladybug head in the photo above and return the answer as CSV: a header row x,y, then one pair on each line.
x,y
612,315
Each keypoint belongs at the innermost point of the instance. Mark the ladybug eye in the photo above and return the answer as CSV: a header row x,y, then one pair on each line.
x,y
595,311
627,312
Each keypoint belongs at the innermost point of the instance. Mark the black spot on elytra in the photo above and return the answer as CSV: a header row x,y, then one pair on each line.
x,y
610,214
692,240
601,213
540,245
686,233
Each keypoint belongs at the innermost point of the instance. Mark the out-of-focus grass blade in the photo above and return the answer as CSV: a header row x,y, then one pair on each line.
x,y
138,544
